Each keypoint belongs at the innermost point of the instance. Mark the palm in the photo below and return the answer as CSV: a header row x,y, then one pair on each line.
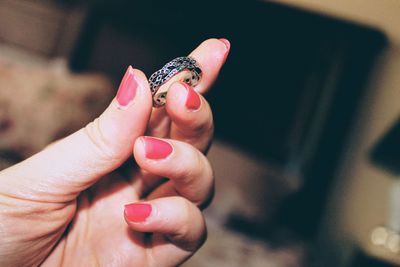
x,y
98,226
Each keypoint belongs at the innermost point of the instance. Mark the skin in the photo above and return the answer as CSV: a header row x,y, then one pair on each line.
x,y
59,208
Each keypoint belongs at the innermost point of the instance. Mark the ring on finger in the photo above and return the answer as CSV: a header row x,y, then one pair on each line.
x,y
175,66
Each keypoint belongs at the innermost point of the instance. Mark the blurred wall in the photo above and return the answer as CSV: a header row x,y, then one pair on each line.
x,y
359,200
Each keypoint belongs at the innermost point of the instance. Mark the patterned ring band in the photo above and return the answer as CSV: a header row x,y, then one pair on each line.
x,y
158,78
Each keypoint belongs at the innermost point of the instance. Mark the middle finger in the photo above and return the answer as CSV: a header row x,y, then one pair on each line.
x,y
189,172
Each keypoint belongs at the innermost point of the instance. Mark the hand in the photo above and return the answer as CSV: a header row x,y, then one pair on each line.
x,y
55,210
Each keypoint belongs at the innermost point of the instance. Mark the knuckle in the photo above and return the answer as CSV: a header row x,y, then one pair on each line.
x,y
200,122
185,208
197,122
204,199
191,237
103,145
192,169
196,180
198,128
186,213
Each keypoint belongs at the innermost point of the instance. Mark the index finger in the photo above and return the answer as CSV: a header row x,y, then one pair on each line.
x,y
210,55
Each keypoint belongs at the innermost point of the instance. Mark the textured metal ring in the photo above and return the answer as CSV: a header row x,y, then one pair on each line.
x,y
158,78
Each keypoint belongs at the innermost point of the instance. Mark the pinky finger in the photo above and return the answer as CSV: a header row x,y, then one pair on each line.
x,y
177,225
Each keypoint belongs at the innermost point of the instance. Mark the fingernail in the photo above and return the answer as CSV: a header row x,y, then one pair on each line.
x,y
226,42
193,100
137,212
127,89
156,148
228,47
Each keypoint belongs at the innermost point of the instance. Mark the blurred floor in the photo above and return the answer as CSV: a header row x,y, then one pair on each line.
x,y
225,248
249,190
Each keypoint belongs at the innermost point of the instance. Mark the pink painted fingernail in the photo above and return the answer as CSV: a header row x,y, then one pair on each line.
x,y
193,100
156,148
127,89
137,212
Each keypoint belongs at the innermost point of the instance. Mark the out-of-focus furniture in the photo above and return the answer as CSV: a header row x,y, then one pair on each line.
x,y
42,26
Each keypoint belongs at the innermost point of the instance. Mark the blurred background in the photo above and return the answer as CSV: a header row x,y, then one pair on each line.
x,y
307,165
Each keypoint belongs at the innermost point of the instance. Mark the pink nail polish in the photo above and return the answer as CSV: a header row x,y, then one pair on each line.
x,y
156,148
127,89
137,212
193,100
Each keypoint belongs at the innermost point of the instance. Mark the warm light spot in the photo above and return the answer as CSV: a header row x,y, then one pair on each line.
x,y
379,236
393,243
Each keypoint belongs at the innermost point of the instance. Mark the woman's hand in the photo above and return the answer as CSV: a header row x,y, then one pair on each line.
x,y
55,210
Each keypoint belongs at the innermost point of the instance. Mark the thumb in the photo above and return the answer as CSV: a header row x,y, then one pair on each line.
x,y
64,169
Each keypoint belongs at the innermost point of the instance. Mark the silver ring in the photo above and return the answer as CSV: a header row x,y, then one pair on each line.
x,y
158,78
